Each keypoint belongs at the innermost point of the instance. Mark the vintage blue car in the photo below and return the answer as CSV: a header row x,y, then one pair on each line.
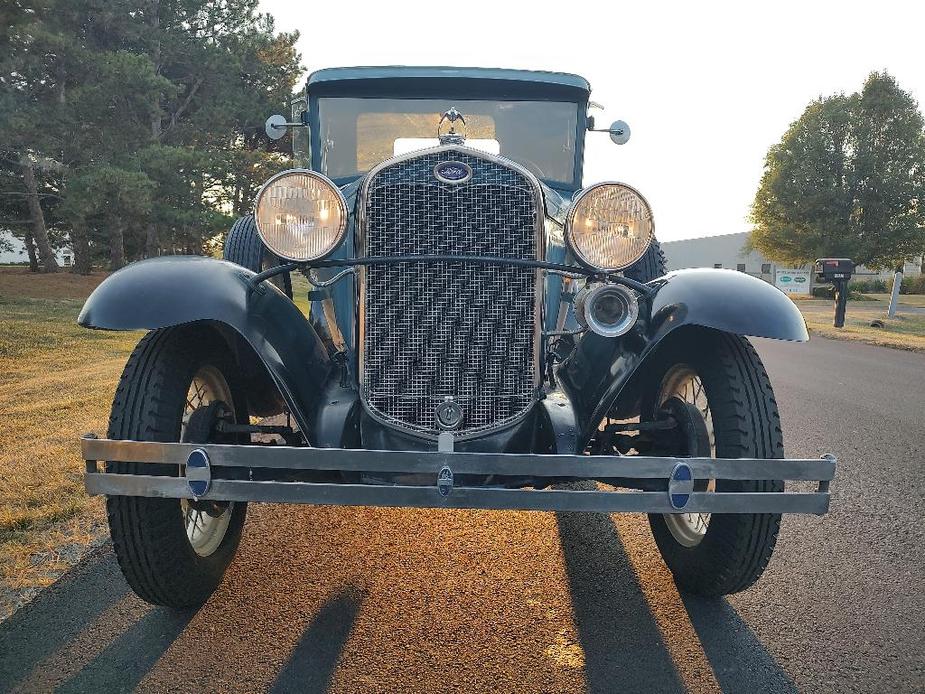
x,y
484,332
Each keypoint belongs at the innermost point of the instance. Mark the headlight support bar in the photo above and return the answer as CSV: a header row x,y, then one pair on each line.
x,y
643,289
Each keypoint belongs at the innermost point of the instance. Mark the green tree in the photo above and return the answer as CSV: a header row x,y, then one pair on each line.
x,y
228,69
162,100
846,180
22,96
104,203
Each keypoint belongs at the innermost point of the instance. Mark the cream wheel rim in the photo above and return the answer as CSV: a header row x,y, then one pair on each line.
x,y
682,382
206,523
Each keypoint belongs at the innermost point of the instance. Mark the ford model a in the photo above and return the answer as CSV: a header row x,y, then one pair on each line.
x,y
482,332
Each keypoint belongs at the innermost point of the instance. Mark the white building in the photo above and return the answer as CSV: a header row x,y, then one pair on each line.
x,y
728,251
723,251
19,255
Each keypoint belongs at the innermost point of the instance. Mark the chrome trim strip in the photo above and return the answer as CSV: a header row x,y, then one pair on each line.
x,y
412,462
539,287
406,496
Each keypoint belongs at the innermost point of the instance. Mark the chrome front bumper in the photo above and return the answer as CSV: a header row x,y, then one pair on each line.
x,y
198,463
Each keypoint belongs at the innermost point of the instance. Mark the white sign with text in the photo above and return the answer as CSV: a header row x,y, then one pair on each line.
x,y
793,281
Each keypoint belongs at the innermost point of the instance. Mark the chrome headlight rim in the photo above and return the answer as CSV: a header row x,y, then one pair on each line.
x,y
341,200
570,218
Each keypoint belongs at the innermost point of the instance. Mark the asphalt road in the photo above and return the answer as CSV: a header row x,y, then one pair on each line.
x,y
396,600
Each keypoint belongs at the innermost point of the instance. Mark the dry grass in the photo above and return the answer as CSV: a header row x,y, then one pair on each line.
x,y
917,300
56,382
19,282
905,331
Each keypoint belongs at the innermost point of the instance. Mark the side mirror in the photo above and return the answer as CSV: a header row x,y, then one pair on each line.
x,y
619,132
276,126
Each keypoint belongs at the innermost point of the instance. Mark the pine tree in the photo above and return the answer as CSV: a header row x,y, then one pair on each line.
x,y
142,121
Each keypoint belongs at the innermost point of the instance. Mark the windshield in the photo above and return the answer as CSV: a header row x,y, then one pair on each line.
x,y
356,134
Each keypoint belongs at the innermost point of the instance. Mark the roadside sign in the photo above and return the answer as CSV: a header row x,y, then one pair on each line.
x,y
793,281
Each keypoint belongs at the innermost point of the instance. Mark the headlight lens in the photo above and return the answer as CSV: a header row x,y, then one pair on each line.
x,y
301,215
609,226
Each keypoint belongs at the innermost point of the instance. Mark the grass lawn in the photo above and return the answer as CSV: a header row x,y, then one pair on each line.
x,y
56,382
905,331
904,299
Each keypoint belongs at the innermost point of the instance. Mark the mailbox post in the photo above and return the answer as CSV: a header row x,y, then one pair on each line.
x,y
837,272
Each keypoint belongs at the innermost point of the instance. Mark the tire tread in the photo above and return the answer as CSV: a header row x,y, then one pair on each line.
x,y
148,536
737,547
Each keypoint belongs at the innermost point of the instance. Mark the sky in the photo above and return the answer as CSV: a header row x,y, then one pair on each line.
x,y
705,87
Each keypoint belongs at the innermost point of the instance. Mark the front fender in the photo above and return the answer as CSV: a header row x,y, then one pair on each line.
x,y
173,290
598,369
726,300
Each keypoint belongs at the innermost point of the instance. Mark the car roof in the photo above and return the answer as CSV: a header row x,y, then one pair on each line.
x,y
401,80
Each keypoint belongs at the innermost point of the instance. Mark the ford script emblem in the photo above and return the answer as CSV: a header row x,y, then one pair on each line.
x,y
452,172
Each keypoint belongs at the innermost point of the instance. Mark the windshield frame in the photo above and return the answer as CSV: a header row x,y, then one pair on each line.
x,y
449,95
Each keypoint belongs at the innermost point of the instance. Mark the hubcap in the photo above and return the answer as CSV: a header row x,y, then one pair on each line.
x,y
682,382
206,522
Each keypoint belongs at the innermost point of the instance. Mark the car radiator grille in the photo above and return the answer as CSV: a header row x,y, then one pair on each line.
x,y
449,329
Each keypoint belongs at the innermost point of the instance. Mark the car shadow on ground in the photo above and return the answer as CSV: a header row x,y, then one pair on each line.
x,y
110,640
125,661
107,640
628,647
311,666
54,619
635,631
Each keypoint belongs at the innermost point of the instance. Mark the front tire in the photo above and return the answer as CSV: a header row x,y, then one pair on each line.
x,y
722,375
650,266
173,552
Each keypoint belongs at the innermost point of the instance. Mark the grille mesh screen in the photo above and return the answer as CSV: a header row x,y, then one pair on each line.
x,y
463,330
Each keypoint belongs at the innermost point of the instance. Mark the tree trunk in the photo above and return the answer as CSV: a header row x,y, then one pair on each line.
x,y
80,244
116,247
152,243
236,197
39,232
29,243
154,23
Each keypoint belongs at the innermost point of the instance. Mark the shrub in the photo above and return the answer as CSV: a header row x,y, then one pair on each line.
x,y
869,285
827,291
913,285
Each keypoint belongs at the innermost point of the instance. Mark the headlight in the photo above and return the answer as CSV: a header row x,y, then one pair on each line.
x,y
301,215
609,226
